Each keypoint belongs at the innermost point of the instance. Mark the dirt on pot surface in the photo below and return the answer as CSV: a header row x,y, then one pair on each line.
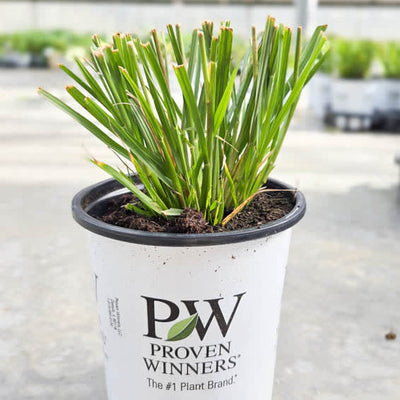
x,y
265,207
391,335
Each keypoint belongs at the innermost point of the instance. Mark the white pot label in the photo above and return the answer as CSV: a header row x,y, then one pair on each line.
x,y
172,357
190,323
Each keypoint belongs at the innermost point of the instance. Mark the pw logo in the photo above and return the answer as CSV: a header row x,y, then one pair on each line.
x,y
184,328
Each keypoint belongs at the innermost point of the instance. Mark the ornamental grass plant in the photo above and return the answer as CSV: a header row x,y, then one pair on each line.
x,y
354,58
389,54
210,147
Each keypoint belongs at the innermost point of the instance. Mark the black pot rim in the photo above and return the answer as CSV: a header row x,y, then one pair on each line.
x,y
84,200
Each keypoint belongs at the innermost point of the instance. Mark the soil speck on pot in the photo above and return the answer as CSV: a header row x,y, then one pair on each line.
x,y
391,335
265,207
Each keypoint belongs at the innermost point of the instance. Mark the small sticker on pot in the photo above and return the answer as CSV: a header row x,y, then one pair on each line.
x,y
114,314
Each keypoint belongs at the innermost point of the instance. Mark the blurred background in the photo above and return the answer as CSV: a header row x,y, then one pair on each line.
x,y
340,312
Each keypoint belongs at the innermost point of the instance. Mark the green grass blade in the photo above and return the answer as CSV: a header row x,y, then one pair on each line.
x,y
86,123
128,183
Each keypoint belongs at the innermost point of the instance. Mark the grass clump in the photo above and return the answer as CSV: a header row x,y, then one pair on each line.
x,y
212,145
389,54
354,58
38,41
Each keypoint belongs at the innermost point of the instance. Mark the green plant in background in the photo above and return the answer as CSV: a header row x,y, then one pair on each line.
x,y
389,54
37,41
3,44
214,149
34,42
354,57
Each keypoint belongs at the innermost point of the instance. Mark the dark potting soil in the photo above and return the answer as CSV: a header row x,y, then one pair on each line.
x,y
265,207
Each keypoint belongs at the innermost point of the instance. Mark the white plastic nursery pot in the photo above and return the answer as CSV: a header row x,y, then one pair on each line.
x,y
388,95
187,316
353,96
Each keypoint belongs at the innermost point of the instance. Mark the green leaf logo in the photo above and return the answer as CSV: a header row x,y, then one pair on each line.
x,y
182,329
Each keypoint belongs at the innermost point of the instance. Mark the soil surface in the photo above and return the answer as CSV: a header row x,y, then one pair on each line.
x,y
265,207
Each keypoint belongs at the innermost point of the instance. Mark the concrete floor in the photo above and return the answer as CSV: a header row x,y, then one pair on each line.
x,y
342,291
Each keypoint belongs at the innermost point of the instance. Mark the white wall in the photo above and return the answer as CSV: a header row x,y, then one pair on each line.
x,y
103,17
373,22
363,22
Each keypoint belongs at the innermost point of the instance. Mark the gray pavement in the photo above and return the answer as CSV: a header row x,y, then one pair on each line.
x,y
342,291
